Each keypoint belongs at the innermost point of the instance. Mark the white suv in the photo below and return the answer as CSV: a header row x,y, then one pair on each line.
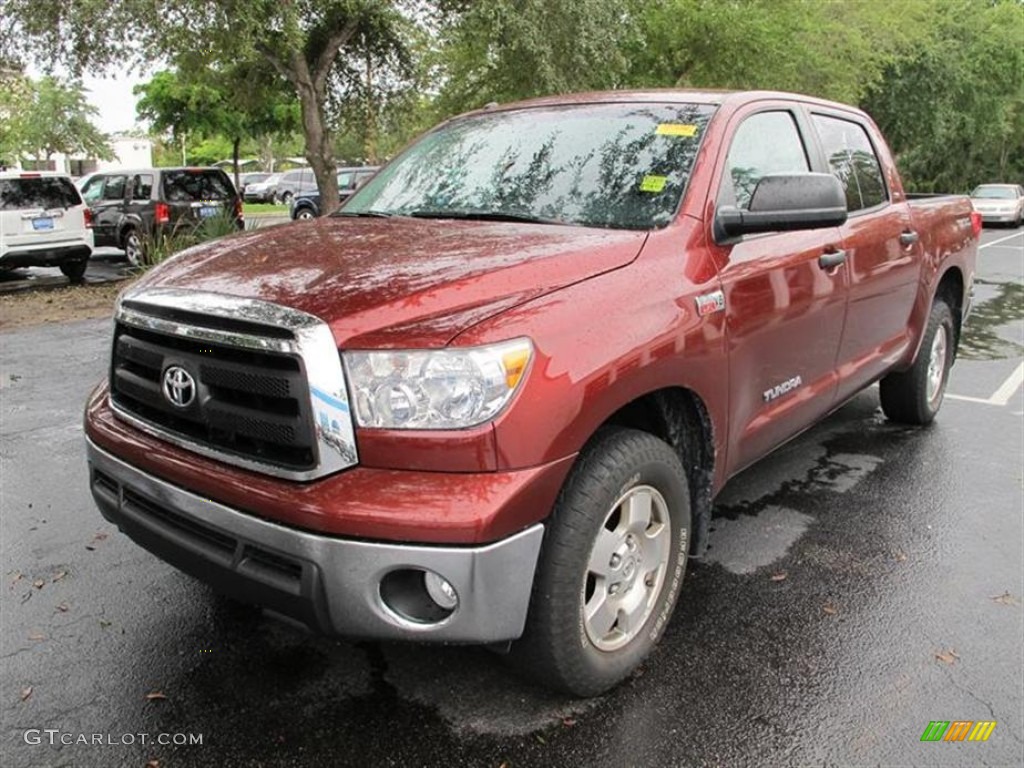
x,y
44,223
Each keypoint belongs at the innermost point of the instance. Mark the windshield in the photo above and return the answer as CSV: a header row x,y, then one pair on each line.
x,y
994,193
621,166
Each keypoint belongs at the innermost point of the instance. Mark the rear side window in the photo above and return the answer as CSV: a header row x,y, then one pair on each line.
x,y
766,143
853,161
195,186
142,186
45,193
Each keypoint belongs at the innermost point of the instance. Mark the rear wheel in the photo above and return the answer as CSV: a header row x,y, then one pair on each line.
x,y
133,250
613,559
915,396
75,270
286,198
304,214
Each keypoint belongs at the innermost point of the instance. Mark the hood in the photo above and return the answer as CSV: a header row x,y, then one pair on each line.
x,y
398,282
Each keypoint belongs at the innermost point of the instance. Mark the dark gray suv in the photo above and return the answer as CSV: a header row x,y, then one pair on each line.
x,y
131,207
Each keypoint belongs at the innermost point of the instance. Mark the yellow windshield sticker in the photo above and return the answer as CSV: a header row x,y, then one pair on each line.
x,y
653,183
677,129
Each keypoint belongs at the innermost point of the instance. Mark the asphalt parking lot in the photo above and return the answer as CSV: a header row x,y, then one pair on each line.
x,y
862,581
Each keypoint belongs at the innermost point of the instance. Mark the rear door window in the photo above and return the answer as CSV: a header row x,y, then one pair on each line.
x,y
853,161
196,186
142,186
41,192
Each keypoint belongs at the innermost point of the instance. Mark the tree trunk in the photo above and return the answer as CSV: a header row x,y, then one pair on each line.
x,y
234,158
319,149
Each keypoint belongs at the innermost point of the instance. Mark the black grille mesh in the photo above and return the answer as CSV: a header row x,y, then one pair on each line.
x,y
248,403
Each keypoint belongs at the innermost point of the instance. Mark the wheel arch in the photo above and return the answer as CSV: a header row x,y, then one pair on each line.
x,y
951,288
680,417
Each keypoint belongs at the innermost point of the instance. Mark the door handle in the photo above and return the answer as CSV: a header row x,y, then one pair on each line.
x,y
908,237
832,259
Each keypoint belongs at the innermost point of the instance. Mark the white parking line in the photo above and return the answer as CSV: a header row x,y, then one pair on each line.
x,y
1002,395
1010,386
1000,240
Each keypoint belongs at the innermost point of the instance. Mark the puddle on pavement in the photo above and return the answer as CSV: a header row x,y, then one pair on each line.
x,y
747,543
998,307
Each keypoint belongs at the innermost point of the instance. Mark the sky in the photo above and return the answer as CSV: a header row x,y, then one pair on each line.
x,y
112,96
114,99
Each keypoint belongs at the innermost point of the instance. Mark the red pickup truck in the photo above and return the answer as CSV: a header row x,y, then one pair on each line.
x,y
491,399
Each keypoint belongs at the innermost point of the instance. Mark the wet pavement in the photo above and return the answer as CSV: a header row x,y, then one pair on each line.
x,y
862,581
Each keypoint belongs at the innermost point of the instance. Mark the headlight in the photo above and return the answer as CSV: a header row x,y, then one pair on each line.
x,y
435,389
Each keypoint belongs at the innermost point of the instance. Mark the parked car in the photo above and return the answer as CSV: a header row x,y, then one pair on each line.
x,y
44,223
130,207
254,177
292,183
491,399
261,191
307,205
999,203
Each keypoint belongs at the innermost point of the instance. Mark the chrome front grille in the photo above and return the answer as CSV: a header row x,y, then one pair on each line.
x,y
265,384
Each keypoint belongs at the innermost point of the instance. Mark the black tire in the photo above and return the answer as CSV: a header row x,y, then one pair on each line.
x,y
559,647
305,213
286,198
915,396
134,252
74,271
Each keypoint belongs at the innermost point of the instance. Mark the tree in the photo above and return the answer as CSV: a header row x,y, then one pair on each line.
x,y
45,117
303,40
504,50
242,100
832,50
953,111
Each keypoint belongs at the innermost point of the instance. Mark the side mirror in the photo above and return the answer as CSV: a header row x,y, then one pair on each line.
x,y
785,202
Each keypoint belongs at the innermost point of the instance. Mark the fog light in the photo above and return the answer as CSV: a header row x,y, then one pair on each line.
x,y
440,591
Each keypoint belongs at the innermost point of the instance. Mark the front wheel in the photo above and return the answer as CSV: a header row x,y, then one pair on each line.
x,y
915,396
304,214
611,566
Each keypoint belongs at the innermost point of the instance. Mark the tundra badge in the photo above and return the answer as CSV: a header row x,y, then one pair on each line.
x,y
780,389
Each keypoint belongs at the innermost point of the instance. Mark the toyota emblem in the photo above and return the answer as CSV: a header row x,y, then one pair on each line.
x,y
179,386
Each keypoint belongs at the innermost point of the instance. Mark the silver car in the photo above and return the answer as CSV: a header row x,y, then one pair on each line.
x,y
999,203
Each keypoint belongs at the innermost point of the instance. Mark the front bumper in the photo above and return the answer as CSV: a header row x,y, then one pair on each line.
x,y
331,584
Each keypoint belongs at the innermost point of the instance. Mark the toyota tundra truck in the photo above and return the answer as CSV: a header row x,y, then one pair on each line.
x,y
491,399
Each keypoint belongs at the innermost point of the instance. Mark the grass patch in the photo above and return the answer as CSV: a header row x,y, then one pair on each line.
x,y
264,208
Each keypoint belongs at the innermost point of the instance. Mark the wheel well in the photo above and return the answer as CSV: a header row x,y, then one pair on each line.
x,y
679,417
951,288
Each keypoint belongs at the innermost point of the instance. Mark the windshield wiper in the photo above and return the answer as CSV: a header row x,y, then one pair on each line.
x,y
367,214
482,216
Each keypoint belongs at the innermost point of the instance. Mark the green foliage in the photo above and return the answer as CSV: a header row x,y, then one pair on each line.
x,y
827,49
942,77
503,50
46,116
164,243
953,111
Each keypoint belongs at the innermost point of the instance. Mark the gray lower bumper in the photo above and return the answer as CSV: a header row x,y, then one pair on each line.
x,y
328,583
